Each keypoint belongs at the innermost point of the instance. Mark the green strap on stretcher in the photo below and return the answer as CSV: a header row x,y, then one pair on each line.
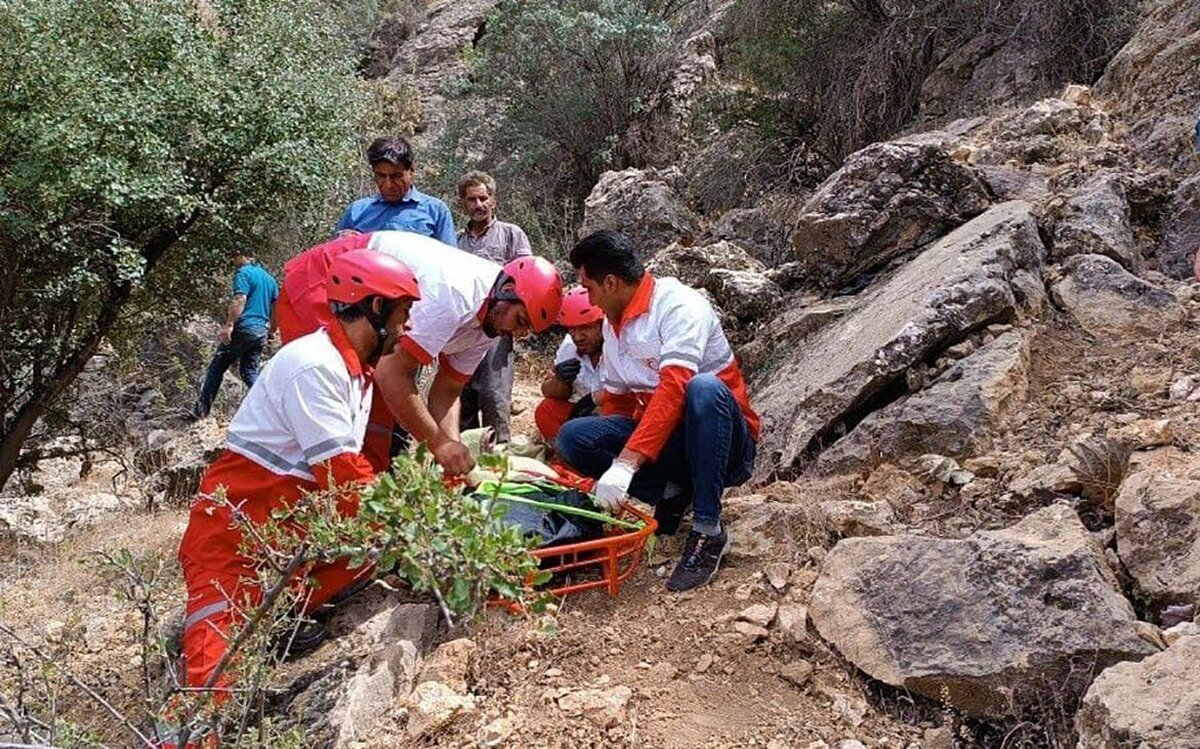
x,y
512,491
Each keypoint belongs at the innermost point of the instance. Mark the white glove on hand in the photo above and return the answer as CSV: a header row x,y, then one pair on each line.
x,y
613,486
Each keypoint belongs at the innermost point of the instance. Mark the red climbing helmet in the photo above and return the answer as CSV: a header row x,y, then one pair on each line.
x,y
577,310
358,274
536,285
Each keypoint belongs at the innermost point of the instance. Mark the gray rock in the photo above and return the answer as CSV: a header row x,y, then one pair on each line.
x,y
957,415
644,206
1158,535
1110,302
985,623
794,322
1012,183
959,284
693,264
368,696
1095,221
1153,78
765,230
885,201
855,517
727,272
1181,230
1151,703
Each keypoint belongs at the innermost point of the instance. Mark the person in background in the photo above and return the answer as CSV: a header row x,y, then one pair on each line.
x,y
489,393
398,205
249,322
573,388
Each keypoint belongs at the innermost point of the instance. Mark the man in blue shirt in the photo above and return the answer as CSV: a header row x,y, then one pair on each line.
x,y
249,322
398,205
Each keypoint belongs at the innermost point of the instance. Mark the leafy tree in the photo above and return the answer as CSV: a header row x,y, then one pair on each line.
x,y
139,141
574,77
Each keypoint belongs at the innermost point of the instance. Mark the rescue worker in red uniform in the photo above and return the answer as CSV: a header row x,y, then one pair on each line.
x,y
299,429
572,388
467,301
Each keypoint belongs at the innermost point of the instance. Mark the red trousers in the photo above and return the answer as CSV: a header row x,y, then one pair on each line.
x,y
218,599
550,415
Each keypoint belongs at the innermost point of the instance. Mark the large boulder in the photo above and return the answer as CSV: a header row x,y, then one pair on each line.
x,y
1150,703
1095,221
1154,79
733,278
1181,230
1110,302
957,415
841,372
1158,535
998,618
642,204
885,201
765,230
1052,132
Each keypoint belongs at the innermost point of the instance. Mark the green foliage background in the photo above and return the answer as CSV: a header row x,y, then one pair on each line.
x,y
139,141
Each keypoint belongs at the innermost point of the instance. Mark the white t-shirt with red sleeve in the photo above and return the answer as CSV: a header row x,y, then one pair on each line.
x,y
446,322
668,334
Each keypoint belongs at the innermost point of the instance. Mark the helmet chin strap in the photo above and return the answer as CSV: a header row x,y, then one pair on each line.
x,y
378,321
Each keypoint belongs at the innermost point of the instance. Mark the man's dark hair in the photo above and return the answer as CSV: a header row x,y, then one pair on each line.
x,y
391,150
607,253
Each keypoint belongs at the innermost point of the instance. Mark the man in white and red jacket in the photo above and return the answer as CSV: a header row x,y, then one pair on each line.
x,y
676,416
466,303
299,429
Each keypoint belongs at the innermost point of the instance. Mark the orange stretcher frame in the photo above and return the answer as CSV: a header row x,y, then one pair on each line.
x,y
615,557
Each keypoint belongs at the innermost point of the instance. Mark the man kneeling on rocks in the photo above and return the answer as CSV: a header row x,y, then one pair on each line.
x,y
677,419
572,387
299,429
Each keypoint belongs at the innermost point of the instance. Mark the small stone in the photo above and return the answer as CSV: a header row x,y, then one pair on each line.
x,y
553,673
744,592
1184,629
851,744
760,614
661,673
777,574
704,663
1176,613
602,707
1144,433
1182,388
55,630
796,673
432,706
1151,634
750,631
792,620
496,732
817,554
938,738
453,664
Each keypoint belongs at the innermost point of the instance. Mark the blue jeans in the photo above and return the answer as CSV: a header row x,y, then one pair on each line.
x,y
245,347
710,450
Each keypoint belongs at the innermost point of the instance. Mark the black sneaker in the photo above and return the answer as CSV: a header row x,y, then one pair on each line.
x,y
700,561
304,636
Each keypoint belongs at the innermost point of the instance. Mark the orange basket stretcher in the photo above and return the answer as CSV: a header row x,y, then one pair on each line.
x,y
607,562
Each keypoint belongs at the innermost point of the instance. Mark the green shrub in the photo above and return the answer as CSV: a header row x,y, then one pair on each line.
x,y
138,142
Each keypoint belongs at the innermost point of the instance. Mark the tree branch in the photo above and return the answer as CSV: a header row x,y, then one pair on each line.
x,y
79,683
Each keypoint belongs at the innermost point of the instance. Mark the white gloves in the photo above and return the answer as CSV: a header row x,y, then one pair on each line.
x,y
614,485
